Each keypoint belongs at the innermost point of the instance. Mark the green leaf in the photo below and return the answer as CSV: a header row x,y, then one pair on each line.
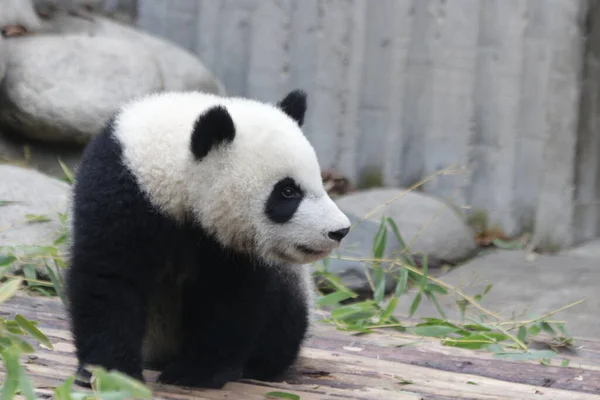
x,y
117,381
355,311
33,218
334,298
402,381
282,395
379,241
529,355
494,348
565,362
337,284
434,287
487,289
13,327
21,345
326,262
561,327
7,259
435,302
402,284
434,321
425,272
4,343
8,289
57,284
547,328
415,304
32,331
354,328
63,392
475,341
534,330
30,273
462,306
434,330
26,386
13,373
4,203
61,239
522,334
401,241
388,310
379,284
67,171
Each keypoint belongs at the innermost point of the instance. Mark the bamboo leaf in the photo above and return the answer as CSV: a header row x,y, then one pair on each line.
x,y
7,259
434,330
13,373
334,298
401,286
282,395
8,289
529,355
389,309
401,241
415,304
32,331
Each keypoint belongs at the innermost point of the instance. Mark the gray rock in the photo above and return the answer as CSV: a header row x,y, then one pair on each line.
x,y
427,225
64,88
41,156
19,12
524,287
33,194
181,70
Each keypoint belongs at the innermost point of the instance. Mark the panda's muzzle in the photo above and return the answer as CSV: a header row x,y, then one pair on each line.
x,y
308,250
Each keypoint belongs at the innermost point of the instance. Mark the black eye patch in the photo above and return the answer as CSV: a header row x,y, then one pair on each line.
x,y
284,200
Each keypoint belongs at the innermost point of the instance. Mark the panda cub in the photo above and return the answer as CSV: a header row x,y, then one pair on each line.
x,y
193,219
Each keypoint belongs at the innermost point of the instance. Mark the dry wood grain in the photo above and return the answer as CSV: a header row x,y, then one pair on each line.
x,y
337,365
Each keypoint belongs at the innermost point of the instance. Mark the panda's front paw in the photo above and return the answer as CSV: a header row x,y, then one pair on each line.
x,y
184,374
83,377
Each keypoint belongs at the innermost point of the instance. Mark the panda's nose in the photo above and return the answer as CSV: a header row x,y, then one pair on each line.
x,y
339,234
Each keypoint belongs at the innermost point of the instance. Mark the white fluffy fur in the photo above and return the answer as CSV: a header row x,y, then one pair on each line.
x,y
228,189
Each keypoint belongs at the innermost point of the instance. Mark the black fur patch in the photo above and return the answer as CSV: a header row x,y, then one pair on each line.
x,y
284,200
294,105
240,319
212,128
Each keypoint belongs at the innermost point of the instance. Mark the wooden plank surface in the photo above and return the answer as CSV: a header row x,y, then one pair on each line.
x,y
337,365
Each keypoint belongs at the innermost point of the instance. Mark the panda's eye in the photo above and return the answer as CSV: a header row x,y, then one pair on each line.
x,y
288,192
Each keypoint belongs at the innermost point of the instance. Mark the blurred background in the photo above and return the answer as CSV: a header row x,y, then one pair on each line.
x,y
502,92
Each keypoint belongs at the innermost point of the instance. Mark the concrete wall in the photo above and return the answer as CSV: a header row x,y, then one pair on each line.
x,y
587,172
400,89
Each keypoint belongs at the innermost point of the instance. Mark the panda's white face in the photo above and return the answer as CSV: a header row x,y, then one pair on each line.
x,y
267,195
248,174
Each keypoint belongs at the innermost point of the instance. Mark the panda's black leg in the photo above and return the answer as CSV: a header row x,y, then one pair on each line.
x,y
220,329
108,323
278,344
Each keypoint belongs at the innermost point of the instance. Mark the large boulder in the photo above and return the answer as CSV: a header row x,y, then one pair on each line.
x,y
181,70
19,12
64,88
427,225
30,204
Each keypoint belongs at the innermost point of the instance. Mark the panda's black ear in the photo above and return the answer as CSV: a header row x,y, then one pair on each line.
x,y
213,128
294,105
